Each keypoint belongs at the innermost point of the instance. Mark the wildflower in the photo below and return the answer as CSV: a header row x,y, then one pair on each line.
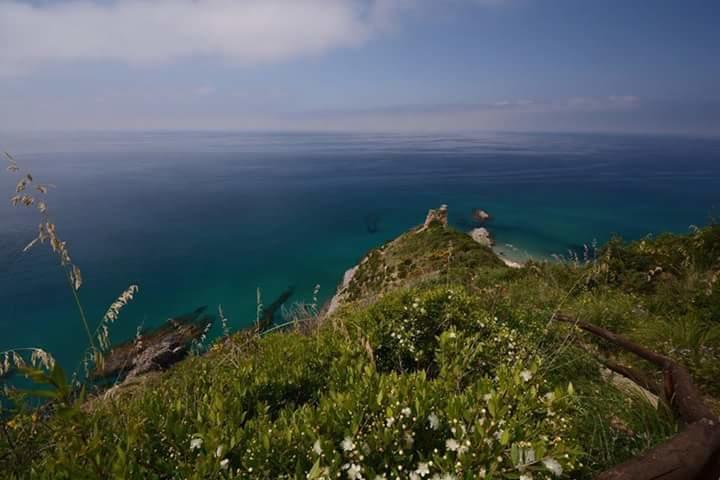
x,y
434,421
526,375
406,411
553,465
526,476
354,472
196,443
347,444
452,444
219,451
422,469
224,464
389,422
317,448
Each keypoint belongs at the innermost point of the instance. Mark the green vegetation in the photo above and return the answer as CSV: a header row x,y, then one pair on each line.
x,y
423,255
440,363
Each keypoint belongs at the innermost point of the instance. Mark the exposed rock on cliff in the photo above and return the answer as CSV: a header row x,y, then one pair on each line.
x,y
482,236
155,350
341,293
439,216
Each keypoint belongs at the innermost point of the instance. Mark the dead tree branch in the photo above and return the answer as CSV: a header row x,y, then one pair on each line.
x,y
692,454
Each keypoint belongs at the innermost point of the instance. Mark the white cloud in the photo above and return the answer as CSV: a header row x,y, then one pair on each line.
x,y
156,31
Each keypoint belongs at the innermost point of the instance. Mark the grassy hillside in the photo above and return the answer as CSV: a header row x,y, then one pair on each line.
x,y
441,362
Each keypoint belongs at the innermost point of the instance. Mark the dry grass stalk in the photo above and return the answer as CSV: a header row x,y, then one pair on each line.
x,y
47,231
112,314
13,359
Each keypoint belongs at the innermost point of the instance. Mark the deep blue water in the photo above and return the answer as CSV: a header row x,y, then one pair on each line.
x,y
206,218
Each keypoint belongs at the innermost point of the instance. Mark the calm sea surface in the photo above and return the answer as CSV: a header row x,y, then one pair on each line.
x,y
206,218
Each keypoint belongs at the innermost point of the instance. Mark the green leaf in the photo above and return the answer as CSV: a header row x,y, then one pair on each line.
x,y
515,454
57,376
315,471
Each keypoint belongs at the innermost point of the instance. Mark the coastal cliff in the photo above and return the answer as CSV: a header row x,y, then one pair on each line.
x,y
434,360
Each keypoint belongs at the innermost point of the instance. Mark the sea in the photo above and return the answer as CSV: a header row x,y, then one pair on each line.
x,y
214,218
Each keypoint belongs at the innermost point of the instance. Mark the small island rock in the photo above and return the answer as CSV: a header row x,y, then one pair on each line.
x,y
480,215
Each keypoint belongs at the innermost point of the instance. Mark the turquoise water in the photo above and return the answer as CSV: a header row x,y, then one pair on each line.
x,y
206,218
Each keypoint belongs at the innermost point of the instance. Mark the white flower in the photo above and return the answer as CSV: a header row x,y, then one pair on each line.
x,y
219,451
389,421
196,443
354,472
487,397
434,421
553,465
422,469
526,375
482,473
347,444
406,411
414,476
526,476
452,444
317,448
224,464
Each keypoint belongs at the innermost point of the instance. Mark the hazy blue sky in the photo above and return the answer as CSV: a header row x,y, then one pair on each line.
x,y
409,65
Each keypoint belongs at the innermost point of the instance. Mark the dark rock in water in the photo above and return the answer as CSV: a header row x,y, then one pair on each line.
x,y
480,215
372,221
154,350
268,312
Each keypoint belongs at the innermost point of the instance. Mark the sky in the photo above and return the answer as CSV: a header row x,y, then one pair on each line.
x,y
636,66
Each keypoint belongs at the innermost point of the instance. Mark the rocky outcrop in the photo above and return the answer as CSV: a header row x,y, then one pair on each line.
x,y
480,215
482,236
155,350
341,291
163,353
439,215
